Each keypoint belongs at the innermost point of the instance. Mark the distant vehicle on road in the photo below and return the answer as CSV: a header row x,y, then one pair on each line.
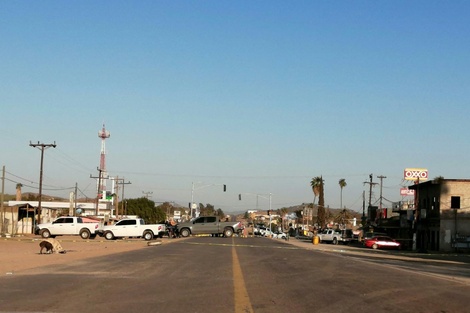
x,y
208,225
382,242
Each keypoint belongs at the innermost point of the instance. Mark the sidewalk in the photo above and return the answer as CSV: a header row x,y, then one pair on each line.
x,y
358,249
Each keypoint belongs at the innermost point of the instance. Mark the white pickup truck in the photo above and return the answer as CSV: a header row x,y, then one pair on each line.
x,y
68,225
335,236
132,227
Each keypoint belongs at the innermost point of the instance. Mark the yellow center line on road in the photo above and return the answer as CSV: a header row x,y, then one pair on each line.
x,y
241,298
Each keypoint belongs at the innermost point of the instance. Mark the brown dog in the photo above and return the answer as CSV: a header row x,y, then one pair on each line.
x,y
45,245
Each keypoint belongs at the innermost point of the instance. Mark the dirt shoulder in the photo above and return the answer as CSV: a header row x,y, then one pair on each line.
x,y
22,253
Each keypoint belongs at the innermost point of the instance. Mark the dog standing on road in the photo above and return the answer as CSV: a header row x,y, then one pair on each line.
x,y
46,245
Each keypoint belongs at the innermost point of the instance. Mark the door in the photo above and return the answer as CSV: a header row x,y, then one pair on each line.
x,y
206,225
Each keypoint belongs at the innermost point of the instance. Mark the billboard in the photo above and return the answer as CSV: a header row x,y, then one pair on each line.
x,y
416,174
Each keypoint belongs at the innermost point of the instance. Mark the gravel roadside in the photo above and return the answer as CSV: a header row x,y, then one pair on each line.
x,y
22,253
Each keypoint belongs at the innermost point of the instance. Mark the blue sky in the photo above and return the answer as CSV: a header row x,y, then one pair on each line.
x,y
258,95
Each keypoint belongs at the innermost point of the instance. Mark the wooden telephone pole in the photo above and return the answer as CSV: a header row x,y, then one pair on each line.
x,y
42,147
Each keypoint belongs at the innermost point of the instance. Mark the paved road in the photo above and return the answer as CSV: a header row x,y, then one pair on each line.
x,y
206,274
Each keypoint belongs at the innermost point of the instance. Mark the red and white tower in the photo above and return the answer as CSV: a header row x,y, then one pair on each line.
x,y
103,134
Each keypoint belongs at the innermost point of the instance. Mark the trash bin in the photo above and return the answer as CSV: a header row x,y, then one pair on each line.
x,y
316,240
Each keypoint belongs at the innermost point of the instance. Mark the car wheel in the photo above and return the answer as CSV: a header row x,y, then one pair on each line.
x,y
85,234
375,246
45,233
108,235
185,232
335,241
228,232
148,235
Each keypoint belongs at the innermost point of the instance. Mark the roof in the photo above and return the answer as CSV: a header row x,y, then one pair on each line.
x,y
436,182
57,205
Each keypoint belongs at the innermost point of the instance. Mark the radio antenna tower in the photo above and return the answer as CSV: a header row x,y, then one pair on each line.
x,y
103,134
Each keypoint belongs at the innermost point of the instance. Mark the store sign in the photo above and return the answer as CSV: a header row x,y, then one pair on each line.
x,y
406,192
416,174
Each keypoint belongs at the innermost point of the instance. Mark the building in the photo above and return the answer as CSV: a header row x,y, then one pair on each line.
x,y
20,217
442,219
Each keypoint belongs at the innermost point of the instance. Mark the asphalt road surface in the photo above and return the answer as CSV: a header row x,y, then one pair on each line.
x,y
206,274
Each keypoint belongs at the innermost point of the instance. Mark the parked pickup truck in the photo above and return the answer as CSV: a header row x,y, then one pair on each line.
x,y
132,227
68,225
208,225
336,235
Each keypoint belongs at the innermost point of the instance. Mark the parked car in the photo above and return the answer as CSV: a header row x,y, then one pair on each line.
x,y
382,242
132,227
68,225
336,236
262,231
370,235
279,235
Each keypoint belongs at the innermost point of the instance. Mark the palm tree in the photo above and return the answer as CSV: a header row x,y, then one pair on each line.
x,y
18,191
315,184
342,184
283,212
321,216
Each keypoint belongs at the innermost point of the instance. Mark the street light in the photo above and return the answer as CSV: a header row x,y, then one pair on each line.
x,y
192,205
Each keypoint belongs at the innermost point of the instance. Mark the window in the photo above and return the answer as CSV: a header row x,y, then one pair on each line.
x,y
455,202
126,222
211,219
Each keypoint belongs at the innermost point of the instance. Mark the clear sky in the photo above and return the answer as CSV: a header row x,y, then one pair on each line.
x,y
258,95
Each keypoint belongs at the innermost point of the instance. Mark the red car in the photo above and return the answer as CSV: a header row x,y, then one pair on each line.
x,y
382,242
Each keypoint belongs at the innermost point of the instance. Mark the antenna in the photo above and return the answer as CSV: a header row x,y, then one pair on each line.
x,y
103,134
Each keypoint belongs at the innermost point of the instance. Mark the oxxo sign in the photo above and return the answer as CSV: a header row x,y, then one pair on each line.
x,y
416,174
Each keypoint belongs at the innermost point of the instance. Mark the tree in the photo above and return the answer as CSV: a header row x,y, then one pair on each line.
x,y
145,209
342,184
343,216
18,191
209,210
220,213
283,212
315,184
321,204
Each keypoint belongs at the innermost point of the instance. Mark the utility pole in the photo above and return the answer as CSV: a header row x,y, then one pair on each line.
x,y
363,208
147,194
2,209
42,147
381,177
371,184
98,191
76,196
120,181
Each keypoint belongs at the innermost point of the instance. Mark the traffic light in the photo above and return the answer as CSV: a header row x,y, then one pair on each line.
x,y
239,196
225,188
